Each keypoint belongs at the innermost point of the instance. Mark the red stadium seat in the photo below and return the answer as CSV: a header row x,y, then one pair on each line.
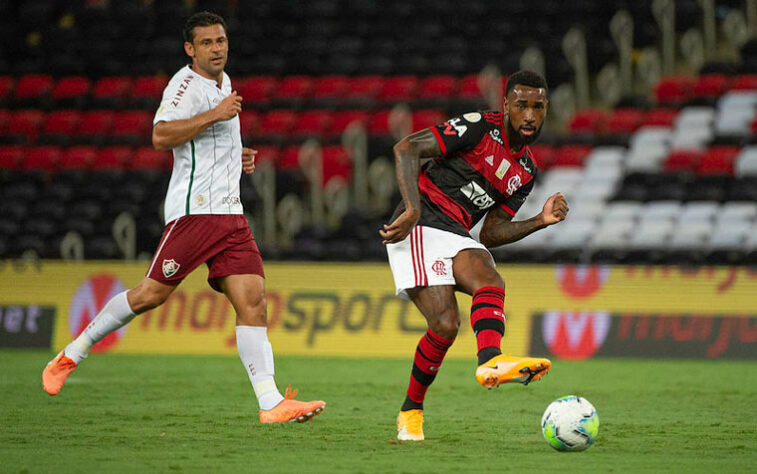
x,y
132,127
312,123
378,124
718,160
398,89
267,154
111,91
78,157
683,160
26,125
112,158
588,121
344,118
328,90
96,125
256,89
427,118
277,123
148,91
711,86
6,87
468,88
293,89
674,90
363,89
624,121
11,156
660,117
571,155
61,124
5,118
436,88
544,156
148,158
249,121
71,91
336,163
289,158
42,158
744,82
33,89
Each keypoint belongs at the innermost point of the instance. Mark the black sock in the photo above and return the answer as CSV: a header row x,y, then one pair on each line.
x,y
411,405
487,353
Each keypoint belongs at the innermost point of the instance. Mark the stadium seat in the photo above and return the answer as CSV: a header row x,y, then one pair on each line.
x,y
6,88
343,118
436,91
111,92
378,124
427,118
746,162
78,157
624,121
468,88
328,90
571,155
718,160
362,91
33,90
660,117
683,160
95,127
674,90
112,158
59,127
147,92
398,89
131,128
311,123
24,126
249,121
289,159
267,154
744,82
336,163
589,121
43,158
292,91
71,92
710,86
148,158
11,156
276,125
543,155
256,90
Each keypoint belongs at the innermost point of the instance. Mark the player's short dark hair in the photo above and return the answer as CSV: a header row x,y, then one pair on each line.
x,y
526,78
201,19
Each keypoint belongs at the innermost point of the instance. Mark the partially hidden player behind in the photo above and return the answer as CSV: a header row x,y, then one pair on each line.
x,y
198,119
481,166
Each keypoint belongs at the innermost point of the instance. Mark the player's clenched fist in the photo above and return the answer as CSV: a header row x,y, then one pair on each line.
x,y
248,160
555,209
229,107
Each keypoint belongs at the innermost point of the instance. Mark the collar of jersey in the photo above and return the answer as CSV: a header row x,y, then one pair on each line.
x,y
210,82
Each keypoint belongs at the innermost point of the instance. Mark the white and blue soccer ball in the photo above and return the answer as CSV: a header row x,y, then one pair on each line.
x,y
570,423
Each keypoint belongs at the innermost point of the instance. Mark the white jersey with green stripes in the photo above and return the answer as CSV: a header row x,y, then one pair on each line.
x,y
206,169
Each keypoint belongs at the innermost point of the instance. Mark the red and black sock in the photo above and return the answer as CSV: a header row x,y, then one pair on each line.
x,y
488,321
428,358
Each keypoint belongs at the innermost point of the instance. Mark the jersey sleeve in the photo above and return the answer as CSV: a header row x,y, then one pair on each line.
x,y
514,202
179,102
460,133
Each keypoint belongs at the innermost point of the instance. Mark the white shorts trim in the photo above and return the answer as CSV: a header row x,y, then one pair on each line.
x,y
424,258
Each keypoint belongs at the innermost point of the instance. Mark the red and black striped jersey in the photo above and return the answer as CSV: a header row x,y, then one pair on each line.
x,y
475,173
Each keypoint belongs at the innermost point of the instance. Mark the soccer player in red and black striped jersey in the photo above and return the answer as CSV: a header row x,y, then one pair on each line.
x,y
481,168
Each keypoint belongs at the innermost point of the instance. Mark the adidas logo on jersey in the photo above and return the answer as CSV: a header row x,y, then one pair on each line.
x,y
477,195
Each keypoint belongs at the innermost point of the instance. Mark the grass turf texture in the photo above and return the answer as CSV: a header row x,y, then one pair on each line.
x,y
124,413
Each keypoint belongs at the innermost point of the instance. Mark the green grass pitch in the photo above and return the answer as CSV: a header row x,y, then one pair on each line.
x,y
122,413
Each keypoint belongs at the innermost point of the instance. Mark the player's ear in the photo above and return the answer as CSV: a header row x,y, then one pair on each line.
x,y
189,49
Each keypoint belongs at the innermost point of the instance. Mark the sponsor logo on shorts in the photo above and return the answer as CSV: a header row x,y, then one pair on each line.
x,y
477,195
170,267
439,268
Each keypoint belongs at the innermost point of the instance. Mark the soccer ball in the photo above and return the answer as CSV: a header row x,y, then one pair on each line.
x,y
570,423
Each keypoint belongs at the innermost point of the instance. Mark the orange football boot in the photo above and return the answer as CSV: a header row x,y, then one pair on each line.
x,y
506,368
290,410
56,372
410,425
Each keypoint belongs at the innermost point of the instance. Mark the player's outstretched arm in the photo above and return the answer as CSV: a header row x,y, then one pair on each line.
x,y
168,135
407,156
499,229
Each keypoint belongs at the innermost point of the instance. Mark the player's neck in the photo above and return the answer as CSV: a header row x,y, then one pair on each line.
x,y
218,78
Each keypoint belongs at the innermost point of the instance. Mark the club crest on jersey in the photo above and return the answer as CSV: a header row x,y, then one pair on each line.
x,y
170,267
477,195
513,184
502,169
455,128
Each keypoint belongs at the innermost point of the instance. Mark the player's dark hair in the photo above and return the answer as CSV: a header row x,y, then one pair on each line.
x,y
526,78
201,19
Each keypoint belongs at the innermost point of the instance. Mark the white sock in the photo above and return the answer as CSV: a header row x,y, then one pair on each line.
x,y
257,357
115,314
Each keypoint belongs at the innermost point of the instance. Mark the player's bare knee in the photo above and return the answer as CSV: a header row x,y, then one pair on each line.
x,y
253,313
446,324
143,298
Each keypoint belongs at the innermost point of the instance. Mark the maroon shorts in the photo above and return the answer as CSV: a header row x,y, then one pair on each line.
x,y
223,242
